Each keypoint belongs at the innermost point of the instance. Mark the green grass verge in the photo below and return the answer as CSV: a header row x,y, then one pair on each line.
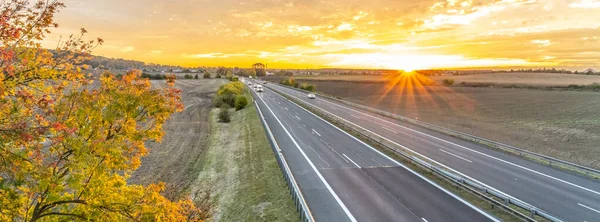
x,y
242,174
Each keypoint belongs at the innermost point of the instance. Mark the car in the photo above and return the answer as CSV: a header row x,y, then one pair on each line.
x,y
259,89
311,96
249,83
265,82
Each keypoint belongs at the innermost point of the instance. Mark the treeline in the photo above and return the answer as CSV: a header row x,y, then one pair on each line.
x,y
530,70
162,76
104,63
552,70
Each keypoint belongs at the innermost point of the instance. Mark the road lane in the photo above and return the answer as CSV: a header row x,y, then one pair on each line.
x,y
353,170
552,190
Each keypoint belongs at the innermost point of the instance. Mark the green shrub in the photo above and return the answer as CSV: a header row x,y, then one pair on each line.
x,y
235,88
224,101
448,82
240,102
218,76
290,82
224,115
196,76
187,76
206,75
308,87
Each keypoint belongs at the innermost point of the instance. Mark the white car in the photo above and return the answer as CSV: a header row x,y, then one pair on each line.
x,y
259,88
311,96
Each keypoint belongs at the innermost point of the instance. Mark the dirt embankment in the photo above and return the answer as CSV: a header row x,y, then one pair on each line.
x,y
176,160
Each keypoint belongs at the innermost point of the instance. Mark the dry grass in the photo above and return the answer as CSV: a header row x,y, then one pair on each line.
x,y
560,124
241,174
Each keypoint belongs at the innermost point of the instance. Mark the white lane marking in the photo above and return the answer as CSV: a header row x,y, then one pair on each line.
x,y
388,129
406,168
457,156
424,219
355,116
589,208
278,102
351,160
297,117
463,147
316,132
345,160
335,196
324,142
286,108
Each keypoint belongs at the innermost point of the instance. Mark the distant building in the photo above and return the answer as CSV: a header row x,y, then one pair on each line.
x,y
590,70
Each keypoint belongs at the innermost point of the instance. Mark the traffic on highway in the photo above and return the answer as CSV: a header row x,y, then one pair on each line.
x,y
335,168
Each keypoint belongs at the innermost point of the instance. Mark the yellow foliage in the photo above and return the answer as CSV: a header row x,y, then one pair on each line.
x,y
232,88
67,146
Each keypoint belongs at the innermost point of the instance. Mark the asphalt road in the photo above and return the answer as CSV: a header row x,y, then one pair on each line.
x,y
568,196
344,179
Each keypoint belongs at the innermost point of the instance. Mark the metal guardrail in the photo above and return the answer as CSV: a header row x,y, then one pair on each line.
x,y
474,186
301,205
588,171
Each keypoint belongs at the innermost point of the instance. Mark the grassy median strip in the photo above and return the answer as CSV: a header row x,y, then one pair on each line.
x,y
241,173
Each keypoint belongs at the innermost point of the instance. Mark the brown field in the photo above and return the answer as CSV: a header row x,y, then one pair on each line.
x,y
542,79
228,169
176,160
534,79
563,124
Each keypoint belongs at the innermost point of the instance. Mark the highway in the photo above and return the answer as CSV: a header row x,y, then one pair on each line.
x,y
344,179
568,196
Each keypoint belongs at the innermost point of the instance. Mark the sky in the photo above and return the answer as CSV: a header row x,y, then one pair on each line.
x,y
373,34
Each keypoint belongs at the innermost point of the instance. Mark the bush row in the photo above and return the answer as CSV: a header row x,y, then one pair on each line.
x,y
293,83
230,95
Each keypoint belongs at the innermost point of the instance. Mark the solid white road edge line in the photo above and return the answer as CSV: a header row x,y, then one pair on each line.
x,y
466,148
270,133
351,161
335,196
399,164
457,156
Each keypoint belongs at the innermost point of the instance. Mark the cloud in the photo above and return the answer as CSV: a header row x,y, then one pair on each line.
x,y
214,55
239,33
545,42
588,4
128,49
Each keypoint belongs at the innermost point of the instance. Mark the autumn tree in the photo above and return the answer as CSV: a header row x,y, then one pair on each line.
x,y
67,143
